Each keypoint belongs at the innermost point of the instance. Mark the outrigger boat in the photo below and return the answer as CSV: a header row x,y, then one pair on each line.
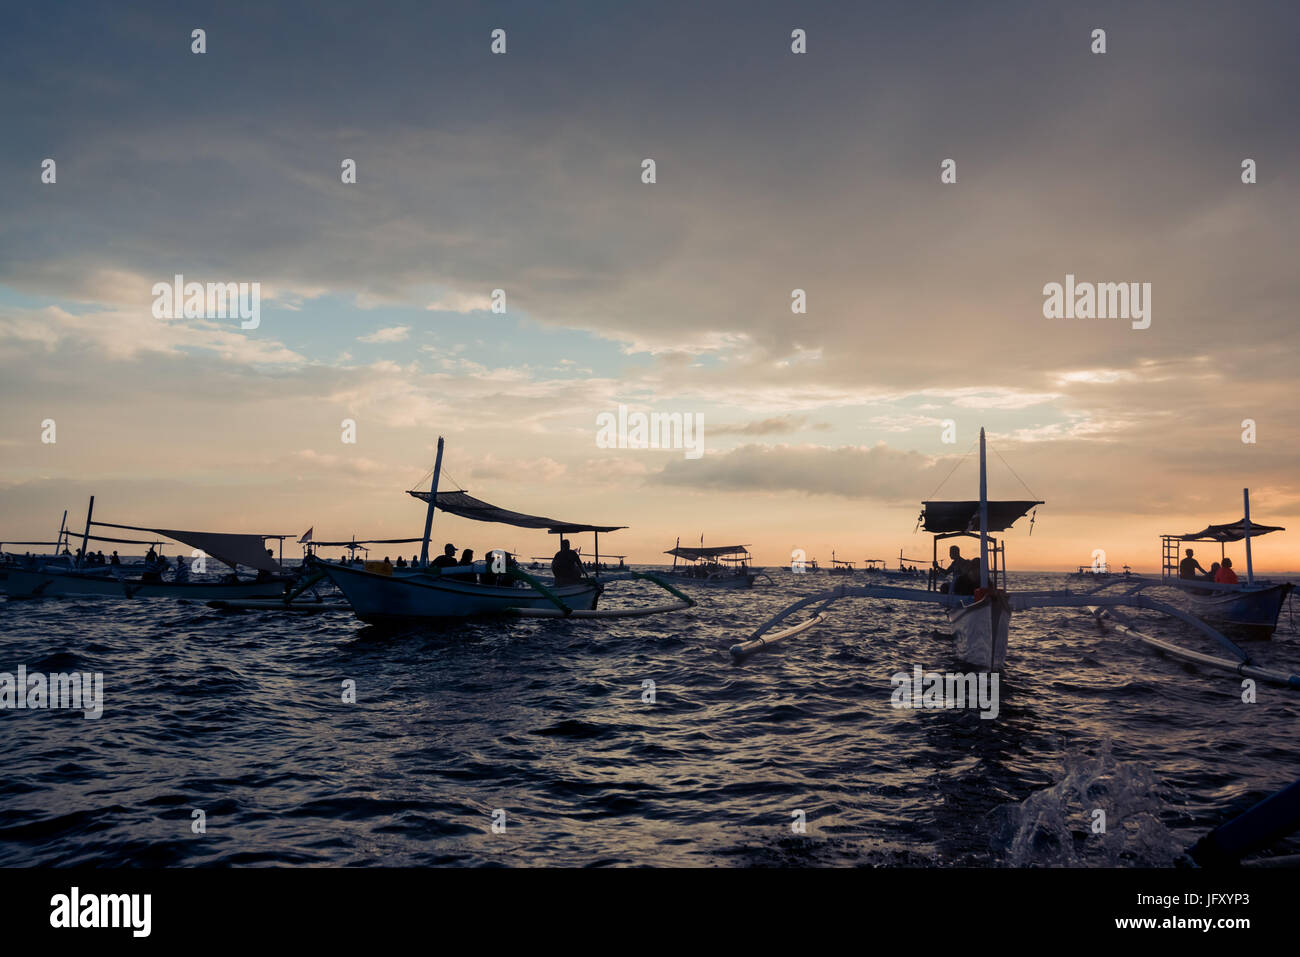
x,y
981,621
876,568
1096,572
488,587
111,582
1250,605
839,566
718,566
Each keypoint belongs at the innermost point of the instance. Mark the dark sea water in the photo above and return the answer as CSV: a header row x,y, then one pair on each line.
x,y
240,715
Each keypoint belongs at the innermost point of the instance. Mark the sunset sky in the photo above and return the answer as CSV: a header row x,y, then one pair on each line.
x,y
775,171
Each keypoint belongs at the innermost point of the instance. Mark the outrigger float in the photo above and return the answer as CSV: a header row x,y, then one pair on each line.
x,y
981,621
427,591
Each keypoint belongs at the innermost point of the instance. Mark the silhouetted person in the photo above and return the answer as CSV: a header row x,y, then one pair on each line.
x,y
448,557
965,573
262,574
1189,566
566,566
465,564
182,570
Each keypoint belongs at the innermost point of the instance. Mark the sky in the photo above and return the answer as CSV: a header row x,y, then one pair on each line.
x,y
774,171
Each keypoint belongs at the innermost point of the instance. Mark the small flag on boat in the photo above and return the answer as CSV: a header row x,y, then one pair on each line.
x,y
306,536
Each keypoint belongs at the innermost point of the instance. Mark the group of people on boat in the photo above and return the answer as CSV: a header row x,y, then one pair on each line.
x,y
448,564
94,559
1220,573
566,566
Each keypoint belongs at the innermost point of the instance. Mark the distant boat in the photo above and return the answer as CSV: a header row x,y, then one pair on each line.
x,y
839,566
79,579
1090,571
1250,605
877,569
717,566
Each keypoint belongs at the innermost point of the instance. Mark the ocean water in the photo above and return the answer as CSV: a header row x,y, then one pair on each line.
x,y
544,726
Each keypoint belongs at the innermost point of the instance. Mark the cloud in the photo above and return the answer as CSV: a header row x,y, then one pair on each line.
x,y
389,334
776,425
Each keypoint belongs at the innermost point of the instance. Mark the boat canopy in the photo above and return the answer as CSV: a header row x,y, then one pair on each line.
x,y
1228,533
713,551
948,517
466,506
233,549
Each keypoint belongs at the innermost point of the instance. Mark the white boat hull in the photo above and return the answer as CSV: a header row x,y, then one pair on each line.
x,y
58,584
980,632
376,597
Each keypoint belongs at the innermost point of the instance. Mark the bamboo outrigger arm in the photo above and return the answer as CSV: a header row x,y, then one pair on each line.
x,y
564,611
536,584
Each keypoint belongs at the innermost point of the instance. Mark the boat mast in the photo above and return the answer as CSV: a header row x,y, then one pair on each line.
x,y
984,516
85,536
1250,568
58,542
433,501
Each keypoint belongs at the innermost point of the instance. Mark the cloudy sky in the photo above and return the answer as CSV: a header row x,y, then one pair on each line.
x,y
775,171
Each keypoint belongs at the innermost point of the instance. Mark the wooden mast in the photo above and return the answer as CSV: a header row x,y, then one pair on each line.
x,y
85,537
1250,568
984,517
433,502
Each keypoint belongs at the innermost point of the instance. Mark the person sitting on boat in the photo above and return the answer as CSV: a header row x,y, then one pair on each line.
x,y
153,569
262,574
182,570
1226,575
448,557
965,574
466,558
401,562
1214,570
1189,566
566,566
